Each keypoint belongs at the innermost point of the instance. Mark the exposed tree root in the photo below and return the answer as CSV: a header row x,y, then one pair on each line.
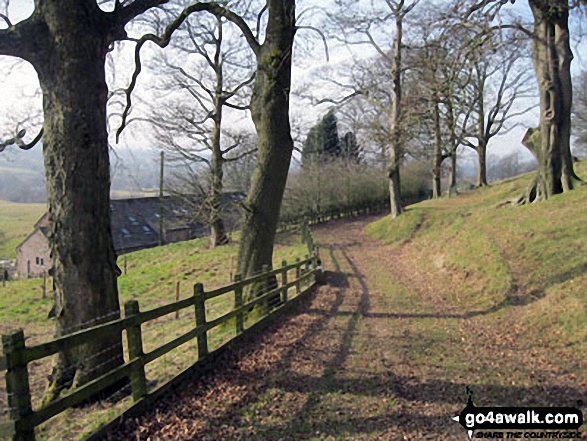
x,y
536,192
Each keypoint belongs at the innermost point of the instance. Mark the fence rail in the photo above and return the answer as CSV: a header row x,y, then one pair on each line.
x,y
312,218
274,286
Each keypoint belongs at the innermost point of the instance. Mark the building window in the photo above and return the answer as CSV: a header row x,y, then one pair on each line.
x,y
125,232
37,261
147,230
42,263
133,220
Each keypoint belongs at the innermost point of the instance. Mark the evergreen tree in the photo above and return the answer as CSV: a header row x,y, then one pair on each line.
x,y
322,142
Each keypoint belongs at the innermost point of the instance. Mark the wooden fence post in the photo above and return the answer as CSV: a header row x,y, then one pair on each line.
x,y
238,302
17,385
177,298
265,269
284,282
201,319
44,284
134,336
298,273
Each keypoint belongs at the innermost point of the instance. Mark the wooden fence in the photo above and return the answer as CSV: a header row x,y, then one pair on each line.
x,y
274,284
313,218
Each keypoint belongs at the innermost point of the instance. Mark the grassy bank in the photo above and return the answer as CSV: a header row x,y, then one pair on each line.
x,y
520,269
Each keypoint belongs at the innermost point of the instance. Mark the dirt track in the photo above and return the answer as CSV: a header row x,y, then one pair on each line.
x,y
355,363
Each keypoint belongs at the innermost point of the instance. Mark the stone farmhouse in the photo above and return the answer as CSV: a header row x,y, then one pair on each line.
x,y
135,226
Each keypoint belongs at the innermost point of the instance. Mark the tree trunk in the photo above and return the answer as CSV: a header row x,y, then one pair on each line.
x,y
438,157
395,150
482,135
453,145
552,56
452,174
482,163
77,166
270,113
218,232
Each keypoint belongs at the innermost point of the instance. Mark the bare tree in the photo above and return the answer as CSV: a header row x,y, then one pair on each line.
x,y
580,113
442,75
357,29
552,56
67,41
189,115
270,112
500,79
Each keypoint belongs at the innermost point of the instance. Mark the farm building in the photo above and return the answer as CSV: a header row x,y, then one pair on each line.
x,y
135,226
32,255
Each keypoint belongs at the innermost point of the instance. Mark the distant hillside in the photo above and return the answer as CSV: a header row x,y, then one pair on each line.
x,y
22,174
16,222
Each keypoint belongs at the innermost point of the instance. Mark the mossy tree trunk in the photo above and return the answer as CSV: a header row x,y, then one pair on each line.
x,y
66,41
75,148
552,56
270,113
395,151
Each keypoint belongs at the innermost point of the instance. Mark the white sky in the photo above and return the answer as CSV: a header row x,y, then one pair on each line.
x,y
23,82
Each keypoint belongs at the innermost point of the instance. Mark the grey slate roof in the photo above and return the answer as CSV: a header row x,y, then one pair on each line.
x,y
135,221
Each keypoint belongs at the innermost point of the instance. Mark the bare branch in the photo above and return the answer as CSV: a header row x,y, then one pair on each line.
x,y
342,100
18,141
136,8
240,156
6,20
259,18
229,95
312,28
236,106
165,39
22,39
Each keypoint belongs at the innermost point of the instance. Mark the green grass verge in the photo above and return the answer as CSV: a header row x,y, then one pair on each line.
x,y
529,263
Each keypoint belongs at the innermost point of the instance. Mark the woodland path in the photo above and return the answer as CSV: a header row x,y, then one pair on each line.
x,y
377,353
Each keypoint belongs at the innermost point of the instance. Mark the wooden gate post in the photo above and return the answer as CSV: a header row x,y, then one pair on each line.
x,y
201,319
17,385
134,336
238,302
284,282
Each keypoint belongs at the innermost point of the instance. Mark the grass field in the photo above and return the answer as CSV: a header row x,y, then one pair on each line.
x,y
152,277
16,222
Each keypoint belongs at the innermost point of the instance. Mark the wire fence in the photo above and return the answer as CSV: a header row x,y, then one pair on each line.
x,y
207,321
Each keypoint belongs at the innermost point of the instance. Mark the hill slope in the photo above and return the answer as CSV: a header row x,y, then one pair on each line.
x,y
532,259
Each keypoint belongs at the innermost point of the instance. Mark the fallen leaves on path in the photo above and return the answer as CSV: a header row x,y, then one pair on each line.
x,y
377,354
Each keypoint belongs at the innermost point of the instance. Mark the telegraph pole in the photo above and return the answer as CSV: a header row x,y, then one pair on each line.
x,y
161,199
